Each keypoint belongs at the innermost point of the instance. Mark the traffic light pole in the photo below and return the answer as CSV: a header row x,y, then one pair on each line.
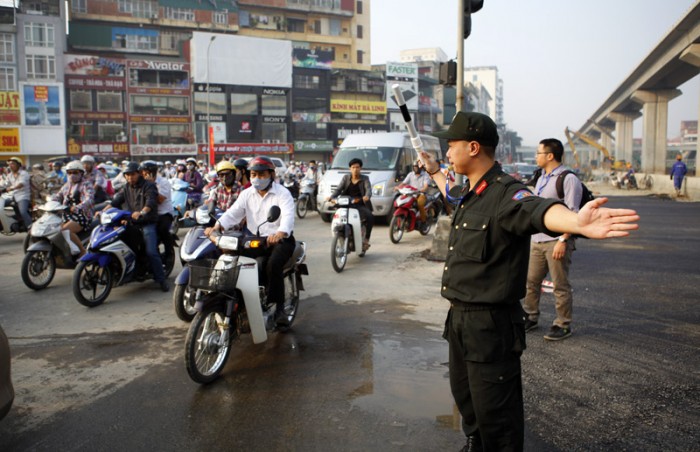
x,y
459,180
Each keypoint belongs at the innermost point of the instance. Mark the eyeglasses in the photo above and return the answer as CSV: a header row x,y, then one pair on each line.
x,y
538,153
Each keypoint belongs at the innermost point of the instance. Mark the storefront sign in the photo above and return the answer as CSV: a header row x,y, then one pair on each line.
x,y
9,140
358,106
102,149
94,115
274,119
93,66
163,149
311,117
311,146
78,82
249,148
161,119
9,100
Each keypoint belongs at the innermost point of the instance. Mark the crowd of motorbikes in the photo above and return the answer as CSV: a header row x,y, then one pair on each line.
x,y
217,289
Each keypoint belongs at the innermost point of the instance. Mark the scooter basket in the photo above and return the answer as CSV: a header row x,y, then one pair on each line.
x,y
204,276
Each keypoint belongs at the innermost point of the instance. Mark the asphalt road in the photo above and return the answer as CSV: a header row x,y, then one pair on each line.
x,y
364,366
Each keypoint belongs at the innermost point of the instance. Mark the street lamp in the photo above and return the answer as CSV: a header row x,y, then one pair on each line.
x,y
209,134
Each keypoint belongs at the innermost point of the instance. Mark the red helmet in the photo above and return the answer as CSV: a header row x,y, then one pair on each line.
x,y
261,164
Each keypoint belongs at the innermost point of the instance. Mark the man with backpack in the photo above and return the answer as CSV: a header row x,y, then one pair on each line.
x,y
552,253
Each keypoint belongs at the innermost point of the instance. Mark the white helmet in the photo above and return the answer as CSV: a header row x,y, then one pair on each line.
x,y
87,159
75,165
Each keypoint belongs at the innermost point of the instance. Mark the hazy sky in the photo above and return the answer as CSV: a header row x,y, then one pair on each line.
x,y
559,59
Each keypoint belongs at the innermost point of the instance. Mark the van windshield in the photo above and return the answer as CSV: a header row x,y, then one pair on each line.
x,y
373,158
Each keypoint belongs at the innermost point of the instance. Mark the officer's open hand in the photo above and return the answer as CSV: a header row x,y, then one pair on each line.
x,y
598,222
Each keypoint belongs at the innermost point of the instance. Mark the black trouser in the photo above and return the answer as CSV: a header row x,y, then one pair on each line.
x,y
163,229
485,344
367,217
270,269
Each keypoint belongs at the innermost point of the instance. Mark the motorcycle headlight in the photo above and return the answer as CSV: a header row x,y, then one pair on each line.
x,y
378,189
106,218
202,216
227,243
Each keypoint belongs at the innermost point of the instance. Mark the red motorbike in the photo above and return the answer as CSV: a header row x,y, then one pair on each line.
x,y
406,216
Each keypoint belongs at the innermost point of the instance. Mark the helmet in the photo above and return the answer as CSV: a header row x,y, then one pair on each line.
x,y
159,164
241,164
17,160
132,167
38,166
87,159
102,166
75,165
58,164
125,162
261,164
191,160
225,166
148,165
168,162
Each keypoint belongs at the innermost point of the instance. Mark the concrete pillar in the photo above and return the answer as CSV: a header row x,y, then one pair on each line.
x,y
655,127
606,141
623,135
691,55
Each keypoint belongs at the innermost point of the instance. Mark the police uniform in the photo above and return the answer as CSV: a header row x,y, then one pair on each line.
x,y
484,279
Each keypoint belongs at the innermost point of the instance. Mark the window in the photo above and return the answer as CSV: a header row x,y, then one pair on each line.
x,y
7,79
41,67
244,104
179,14
109,101
160,105
220,17
170,40
80,101
150,78
359,56
317,27
311,104
79,6
43,7
274,133
216,102
307,81
38,34
7,48
161,134
295,25
274,105
334,27
359,32
125,6
310,131
136,42
109,131
359,6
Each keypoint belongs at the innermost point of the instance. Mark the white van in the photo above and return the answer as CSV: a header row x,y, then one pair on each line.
x,y
387,157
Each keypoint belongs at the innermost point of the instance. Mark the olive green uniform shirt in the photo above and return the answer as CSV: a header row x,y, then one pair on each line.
x,y
489,244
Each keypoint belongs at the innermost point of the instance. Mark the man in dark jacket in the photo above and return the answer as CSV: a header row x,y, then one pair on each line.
x,y
359,188
141,198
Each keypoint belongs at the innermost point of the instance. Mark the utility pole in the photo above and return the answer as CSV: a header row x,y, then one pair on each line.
x,y
210,144
459,179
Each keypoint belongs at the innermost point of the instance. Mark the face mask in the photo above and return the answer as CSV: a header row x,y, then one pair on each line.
x,y
260,184
312,168
75,178
190,167
229,179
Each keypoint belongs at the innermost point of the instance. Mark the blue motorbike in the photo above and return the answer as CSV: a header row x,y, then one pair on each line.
x,y
195,247
179,192
109,262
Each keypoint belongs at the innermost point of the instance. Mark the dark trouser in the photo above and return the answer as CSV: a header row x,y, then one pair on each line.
x,y
367,217
270,270
485,344
144,238
163,229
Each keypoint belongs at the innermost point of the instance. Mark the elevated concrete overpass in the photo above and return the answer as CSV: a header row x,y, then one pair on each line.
x,y
646,92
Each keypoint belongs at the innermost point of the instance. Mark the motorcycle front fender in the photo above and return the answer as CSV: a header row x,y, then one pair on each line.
x,y
183,277
41,245
102,259
248,285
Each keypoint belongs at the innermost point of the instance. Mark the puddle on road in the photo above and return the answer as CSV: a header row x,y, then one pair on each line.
x,y
408,380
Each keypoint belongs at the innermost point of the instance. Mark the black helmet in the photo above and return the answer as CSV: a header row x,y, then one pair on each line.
x,y
261,164
241,164
132,167
150,166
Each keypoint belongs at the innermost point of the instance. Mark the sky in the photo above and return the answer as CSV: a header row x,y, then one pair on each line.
x,y
559,59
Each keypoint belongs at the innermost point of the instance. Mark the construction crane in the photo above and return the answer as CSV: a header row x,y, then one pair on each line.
x,y
588,140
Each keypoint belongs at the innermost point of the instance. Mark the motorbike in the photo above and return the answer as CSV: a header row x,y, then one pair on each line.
x,y
406,215
49,248
629,181
179,200
235,304
109,262
195,246
307,198
10,219
615,180
291,183
348,231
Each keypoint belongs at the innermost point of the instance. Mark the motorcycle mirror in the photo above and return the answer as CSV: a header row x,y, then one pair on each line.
x,y
273,214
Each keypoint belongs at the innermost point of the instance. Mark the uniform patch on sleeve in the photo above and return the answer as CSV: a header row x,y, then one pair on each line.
x,y
520,194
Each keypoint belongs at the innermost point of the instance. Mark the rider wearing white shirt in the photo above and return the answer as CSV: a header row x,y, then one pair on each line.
x,y
253,205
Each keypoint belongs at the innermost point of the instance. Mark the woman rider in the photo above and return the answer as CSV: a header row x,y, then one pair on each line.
x,y
78,193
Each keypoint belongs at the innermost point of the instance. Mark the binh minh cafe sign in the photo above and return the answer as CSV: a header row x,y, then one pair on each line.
x,y
249,148
98,149
163,149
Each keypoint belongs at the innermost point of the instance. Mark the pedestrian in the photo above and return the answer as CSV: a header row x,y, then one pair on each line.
x,y
678,172
552,253
485,273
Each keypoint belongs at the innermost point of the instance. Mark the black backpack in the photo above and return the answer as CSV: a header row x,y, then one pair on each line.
x,y
586,194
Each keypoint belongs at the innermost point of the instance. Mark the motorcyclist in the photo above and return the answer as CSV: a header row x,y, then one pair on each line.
x,y
78,194
95,177
629,177
420,180
359,189
312,172
141,198
170,171
293,171
194,178
38,183
253,205
19,184
58,173
109,189
225,193
243,176
149,171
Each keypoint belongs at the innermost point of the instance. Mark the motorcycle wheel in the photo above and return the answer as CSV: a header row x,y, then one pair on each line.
x,y
87,278
396,228
291,300
302,207
184,299
326,217
430,220
167,260
38,269
339,252
204,357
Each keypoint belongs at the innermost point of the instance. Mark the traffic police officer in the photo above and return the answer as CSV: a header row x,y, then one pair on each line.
x,y
485,274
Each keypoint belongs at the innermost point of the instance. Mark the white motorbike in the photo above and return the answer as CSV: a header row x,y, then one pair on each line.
x,y
49,248
10,219
348,232
234,303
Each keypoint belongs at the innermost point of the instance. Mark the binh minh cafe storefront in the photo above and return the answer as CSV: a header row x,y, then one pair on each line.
x,y
96,114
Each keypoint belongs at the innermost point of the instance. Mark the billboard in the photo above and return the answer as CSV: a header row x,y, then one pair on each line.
x,y
42,105
406,76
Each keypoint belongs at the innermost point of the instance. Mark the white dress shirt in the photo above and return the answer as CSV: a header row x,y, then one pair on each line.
x,y
254,208
165,189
